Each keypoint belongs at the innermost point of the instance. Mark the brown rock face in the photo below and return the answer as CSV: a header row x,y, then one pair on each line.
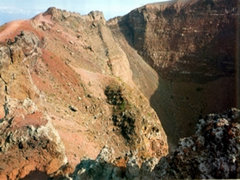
x,y
79,77
192,46
185,41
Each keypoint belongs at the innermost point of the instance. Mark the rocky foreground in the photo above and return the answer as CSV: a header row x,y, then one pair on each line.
x,y
212,153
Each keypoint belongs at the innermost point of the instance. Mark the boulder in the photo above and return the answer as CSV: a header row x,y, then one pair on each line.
x,y
28,142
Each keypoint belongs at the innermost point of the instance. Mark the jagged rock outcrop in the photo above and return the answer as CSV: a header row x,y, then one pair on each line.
x,y
106,167
213,152
28,141
101,168
19,57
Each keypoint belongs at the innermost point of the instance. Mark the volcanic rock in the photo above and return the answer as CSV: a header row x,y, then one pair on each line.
x,y
39,82
72,84
213,152
183,38
192,47
29,142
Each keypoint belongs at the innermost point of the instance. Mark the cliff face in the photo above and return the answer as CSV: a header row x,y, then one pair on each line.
x,y
192,47
191,40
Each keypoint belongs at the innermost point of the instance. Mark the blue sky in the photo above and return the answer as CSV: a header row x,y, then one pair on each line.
x,y
26,9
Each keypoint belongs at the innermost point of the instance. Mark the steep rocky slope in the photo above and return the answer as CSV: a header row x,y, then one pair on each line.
x,y
71,68
192,47
192,39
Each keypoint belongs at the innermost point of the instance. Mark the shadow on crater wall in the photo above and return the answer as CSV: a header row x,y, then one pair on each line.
x,y
194,84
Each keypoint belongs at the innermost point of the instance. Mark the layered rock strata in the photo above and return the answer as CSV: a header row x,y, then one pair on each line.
x,y
192,46
185,40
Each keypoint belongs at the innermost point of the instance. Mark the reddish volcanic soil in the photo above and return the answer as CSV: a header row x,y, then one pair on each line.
x,y
66,77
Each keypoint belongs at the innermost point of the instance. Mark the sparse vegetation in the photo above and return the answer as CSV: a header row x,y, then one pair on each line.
x,y
114,95
123,117
199,89
123,106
